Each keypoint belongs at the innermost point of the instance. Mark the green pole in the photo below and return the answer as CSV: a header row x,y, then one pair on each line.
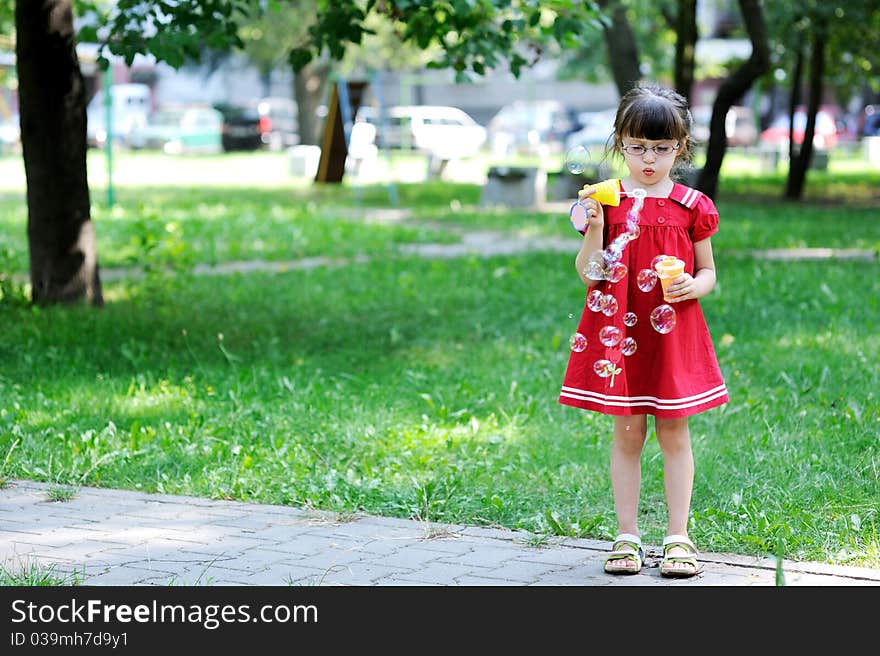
x,y
108,124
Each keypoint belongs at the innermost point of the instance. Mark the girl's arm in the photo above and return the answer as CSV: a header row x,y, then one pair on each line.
x,y
592,238
687,287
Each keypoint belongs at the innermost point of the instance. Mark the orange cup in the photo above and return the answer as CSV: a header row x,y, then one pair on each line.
x,y
668,269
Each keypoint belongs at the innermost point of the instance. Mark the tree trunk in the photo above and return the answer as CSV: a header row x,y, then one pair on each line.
x,y
732,89
61,236
620,43
797,170
310,89
685,47
794,99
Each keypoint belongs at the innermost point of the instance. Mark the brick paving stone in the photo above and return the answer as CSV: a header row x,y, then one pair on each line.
x,y
358,573
521,571
442,573
332,557
487,556
389,546
410,558
557,556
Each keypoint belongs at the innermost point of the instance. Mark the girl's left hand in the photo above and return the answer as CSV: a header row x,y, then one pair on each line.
x,y
681,289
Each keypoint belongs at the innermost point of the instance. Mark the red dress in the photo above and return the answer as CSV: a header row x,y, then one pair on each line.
x,y
668,375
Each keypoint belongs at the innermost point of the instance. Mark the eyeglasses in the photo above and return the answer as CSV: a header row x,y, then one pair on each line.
x,y
661,150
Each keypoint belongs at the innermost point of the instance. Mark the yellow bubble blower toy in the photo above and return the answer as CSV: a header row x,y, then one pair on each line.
x,y
606,192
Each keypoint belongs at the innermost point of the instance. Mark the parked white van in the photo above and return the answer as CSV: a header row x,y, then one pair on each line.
x,y
130,109
446,132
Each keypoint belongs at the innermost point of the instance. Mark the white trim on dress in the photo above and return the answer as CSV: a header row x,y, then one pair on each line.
x,y
639,401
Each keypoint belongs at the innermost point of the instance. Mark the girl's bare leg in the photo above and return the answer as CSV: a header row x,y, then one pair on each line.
x,y
678,470
674,438
626,470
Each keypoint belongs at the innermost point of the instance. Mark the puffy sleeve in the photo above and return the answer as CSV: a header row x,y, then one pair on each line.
x,y
705,219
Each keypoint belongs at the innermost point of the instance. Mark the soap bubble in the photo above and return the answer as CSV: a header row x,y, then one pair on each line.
x,y
576,160
647,279
594,300
610,335
616,272
658,259
578,342
663,319
603,368
628,346
609,305
594,269
615,249
630,319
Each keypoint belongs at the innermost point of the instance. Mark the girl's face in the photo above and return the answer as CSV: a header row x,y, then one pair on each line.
x,y
648,161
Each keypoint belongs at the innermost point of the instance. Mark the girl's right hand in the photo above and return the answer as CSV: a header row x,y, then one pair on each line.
x,y
595,213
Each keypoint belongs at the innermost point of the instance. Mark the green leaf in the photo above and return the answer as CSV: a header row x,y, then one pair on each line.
x,y
299,58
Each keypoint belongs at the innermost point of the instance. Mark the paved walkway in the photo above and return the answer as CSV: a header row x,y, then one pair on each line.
x,y
116,537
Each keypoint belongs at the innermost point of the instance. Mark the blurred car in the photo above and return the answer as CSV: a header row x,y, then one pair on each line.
x,y
447,132
241,127
529,126
739,125
279,126
868,122
392,126
179,130
265,123
596,131
130,108
827,132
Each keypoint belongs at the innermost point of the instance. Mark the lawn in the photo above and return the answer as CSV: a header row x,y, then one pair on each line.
x,y
427,388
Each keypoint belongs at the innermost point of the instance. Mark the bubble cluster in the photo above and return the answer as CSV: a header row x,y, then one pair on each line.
x,y
577,342
605,265
602,265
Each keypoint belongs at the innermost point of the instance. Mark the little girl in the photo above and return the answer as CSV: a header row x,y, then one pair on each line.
x,y
635,353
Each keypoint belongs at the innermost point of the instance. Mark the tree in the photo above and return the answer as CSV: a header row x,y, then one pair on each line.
x,y
61,236
620,46
685,21
733,88
835,43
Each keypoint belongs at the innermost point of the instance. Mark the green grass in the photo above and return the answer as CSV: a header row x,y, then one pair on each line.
x,y
61,493
427,389
30,574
